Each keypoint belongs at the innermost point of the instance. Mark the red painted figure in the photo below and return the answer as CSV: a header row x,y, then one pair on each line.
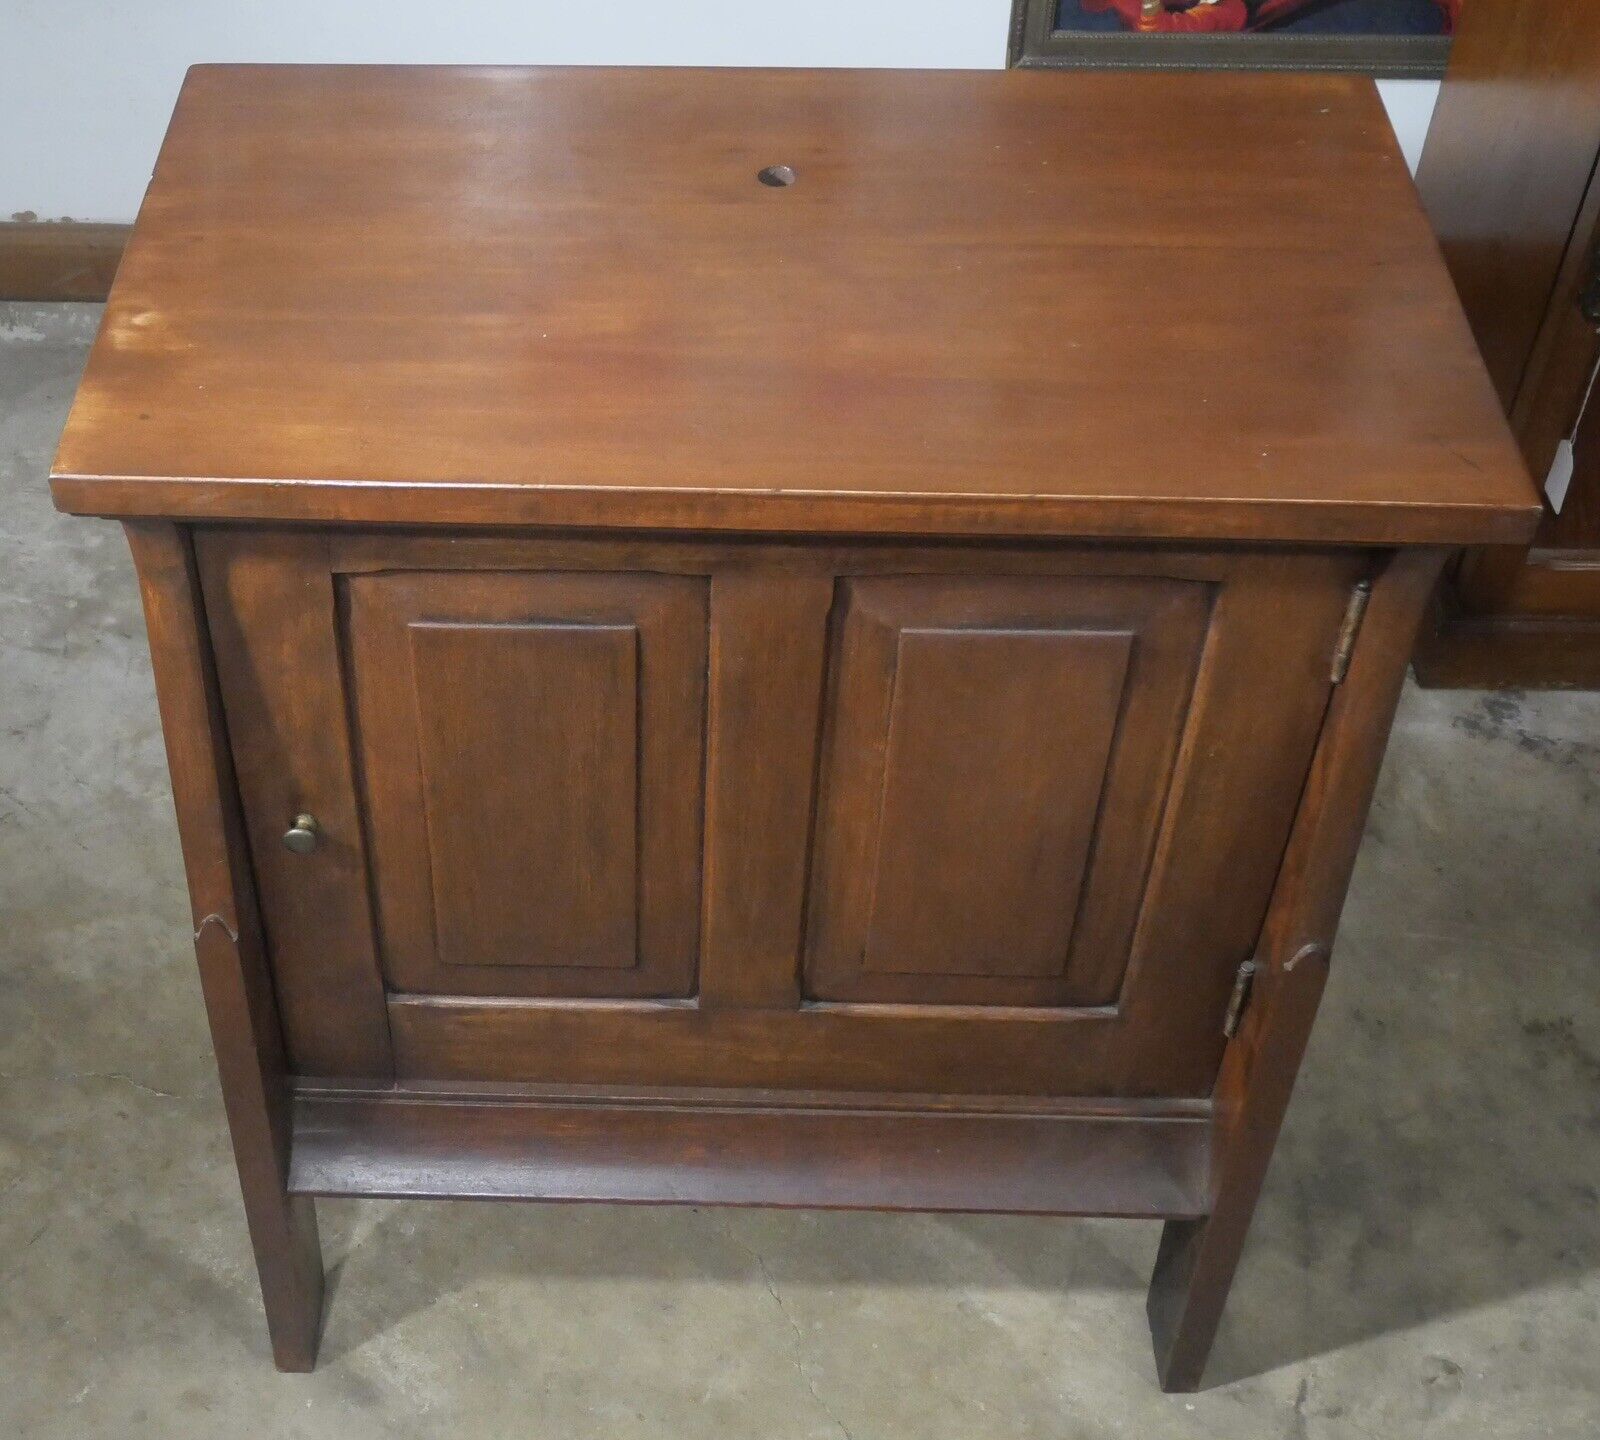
x,y
1223,16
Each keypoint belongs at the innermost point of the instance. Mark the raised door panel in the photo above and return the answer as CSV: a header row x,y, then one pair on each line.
x,y
987,814
529,746
531,750
995,757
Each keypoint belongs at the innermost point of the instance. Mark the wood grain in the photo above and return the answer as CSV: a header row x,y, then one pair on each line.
x,y
783,797
1196,1262
986,750
235,979
704,1148
991,303
1508,178
769,636
59,259
272,614
1509,154
531,748
997,749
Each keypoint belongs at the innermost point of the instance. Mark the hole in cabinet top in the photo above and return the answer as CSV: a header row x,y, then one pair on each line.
x,y
777,176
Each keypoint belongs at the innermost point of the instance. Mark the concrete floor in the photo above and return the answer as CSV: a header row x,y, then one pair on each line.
x,y
1425,1261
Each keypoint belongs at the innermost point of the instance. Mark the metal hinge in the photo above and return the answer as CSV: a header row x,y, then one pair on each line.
x,y
1243,982
1348,631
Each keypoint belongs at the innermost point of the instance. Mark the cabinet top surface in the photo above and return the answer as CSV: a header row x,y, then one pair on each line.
x,y
1030,303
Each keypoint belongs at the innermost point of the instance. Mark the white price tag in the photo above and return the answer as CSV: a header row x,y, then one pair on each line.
x,y
1560,476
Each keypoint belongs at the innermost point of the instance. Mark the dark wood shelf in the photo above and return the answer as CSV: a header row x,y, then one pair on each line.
x,y
705,1148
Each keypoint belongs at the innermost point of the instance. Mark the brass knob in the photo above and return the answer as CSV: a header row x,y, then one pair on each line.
x,y
302,836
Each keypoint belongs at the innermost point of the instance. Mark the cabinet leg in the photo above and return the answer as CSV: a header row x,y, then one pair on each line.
x,y
1195,1264
283,1227
289,1260
1194,1270
234,976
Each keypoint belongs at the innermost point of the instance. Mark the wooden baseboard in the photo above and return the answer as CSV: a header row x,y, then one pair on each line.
x,y
752,1148
58,259
1503,652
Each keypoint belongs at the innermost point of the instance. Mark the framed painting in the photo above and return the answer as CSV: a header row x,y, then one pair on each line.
x,y
1381,37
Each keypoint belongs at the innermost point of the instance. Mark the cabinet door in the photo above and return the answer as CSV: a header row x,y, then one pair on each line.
x,y
981,822
1048,799
996,755
530,752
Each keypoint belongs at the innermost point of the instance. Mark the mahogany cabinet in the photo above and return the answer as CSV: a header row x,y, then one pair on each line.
x,y
857,686
1509,179
965,785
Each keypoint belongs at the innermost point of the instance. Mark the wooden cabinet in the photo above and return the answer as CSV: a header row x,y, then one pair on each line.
x,y
1508,178
787,714
1005,858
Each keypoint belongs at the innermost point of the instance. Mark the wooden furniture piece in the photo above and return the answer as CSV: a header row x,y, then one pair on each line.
x,y
58,259
1508,177
852,686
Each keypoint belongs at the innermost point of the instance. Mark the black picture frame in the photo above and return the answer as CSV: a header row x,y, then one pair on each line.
x,y
1035,42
